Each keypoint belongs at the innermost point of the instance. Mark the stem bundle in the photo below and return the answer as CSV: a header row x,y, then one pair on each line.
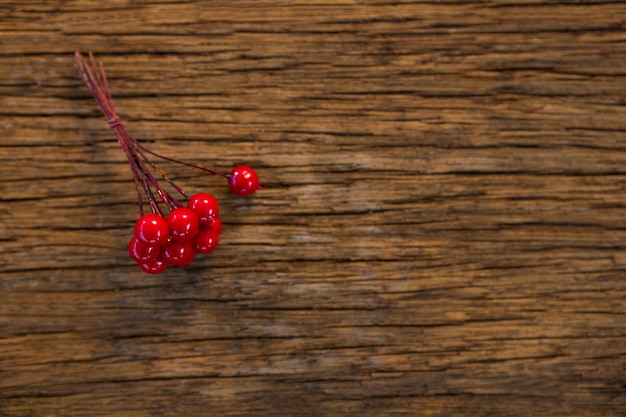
x,y
141,165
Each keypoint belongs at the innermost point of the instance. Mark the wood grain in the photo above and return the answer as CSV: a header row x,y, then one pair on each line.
x,y
442,230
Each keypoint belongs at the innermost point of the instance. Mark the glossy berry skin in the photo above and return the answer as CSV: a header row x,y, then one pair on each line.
x,y
243,181
205,206
179,253
183,224
142,251
206,240
216,224
152,229
155,266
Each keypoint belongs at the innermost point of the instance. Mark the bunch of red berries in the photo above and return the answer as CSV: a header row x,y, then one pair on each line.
x,y
163,238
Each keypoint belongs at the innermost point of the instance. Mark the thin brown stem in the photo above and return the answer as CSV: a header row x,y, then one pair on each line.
x,y
137,154
189,164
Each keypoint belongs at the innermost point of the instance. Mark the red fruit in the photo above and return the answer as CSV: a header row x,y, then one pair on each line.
x,y
179,253
216,225
206,240
152,228
205,206
142,251
243,181
155,266
183,223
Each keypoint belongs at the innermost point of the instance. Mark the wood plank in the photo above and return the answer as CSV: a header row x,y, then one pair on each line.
x,y
441,229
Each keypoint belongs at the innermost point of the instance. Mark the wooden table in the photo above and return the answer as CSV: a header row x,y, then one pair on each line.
x,y
442,230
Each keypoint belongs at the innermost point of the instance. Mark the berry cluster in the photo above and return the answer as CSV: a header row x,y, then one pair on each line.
x,y
172,237
159,242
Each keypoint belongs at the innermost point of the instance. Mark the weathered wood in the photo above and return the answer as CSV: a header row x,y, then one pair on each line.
x,y
442,229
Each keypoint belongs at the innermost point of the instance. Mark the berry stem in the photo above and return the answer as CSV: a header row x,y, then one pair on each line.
x,y
189,164
141,174
163,175
98,85
139,182
136,153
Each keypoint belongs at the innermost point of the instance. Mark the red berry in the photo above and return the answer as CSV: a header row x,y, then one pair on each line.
x,y
155,266
216,225
206,240
205,206
243,181
142,251
152,228
179,253
183,223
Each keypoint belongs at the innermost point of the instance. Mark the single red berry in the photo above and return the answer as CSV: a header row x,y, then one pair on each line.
x,y
142,251
243,181
154,266
152,228
179,253
183,223
216,224
206,240
205,206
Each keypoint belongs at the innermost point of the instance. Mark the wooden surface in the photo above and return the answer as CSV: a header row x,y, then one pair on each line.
x,y
442,230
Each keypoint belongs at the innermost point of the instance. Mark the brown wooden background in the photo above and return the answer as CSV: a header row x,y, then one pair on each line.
x,y
442,232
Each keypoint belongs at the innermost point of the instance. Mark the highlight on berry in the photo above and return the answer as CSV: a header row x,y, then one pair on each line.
x,y
171,234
